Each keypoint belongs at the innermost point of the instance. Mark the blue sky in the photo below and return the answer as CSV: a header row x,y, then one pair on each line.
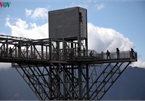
x,y
127,17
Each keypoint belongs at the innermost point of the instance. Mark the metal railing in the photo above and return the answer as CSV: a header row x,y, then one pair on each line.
x,y
24,54
104,56
67,54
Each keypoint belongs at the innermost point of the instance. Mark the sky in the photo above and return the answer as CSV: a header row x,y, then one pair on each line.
x,y
111,23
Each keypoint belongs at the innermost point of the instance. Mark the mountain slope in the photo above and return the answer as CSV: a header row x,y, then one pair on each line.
x,y
129,86
13,87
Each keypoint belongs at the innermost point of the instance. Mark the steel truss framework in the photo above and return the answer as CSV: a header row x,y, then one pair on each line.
x,y
58,69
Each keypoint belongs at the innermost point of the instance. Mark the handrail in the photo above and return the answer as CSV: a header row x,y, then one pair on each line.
x,y
70,54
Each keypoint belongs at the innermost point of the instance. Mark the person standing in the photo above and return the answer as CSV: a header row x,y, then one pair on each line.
x,y
132,53
10,51
102,55
91,54
118,52
108,54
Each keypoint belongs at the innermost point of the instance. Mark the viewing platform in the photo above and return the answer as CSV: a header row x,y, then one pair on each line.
x,y
62,67
37,57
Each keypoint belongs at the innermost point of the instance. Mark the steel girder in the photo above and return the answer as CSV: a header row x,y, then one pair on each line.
x,y
53,72
71,82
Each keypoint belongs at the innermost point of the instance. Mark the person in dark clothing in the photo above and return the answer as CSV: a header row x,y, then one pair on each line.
x,y
102,55
132,51
91,53
108,54
118,52
10,51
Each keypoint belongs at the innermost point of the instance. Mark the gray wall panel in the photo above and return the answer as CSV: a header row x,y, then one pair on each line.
x,y
65,23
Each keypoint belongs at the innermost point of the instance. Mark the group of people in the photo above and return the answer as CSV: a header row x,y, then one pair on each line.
x,y
4,53
118,53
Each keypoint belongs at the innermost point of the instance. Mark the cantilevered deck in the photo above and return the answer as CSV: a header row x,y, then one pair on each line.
x,y
64,72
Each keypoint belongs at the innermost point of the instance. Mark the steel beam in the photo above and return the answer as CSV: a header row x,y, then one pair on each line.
x,y
63,70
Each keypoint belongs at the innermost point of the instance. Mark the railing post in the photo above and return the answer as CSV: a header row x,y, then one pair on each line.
x,y
19,49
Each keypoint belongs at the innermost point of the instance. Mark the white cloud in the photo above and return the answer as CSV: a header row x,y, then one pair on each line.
x,y
37,13
40,12
99,6
102,39
3,34
139,63
23,29
73,4
28,12
96,4
99,38
5,65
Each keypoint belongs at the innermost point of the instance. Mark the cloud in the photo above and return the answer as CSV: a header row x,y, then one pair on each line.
x,y
96,4
5,65
83,5
139,63
3,34
40,12
99,6
22,29
37,13
28,12
99,38
102,39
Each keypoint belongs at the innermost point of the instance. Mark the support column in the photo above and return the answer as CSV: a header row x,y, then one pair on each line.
x,y
87,81
26,51
42,55
58,82
7,50
19,49
50,50
50,80
80,81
